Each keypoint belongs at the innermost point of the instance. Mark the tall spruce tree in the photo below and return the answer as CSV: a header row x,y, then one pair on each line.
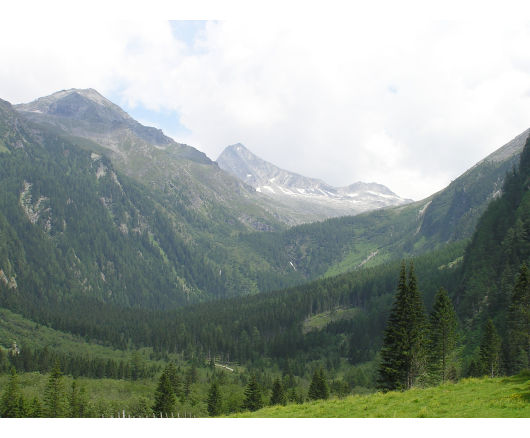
x,y
12,400
490,348
77,401
164,395
442,335
519,324
174,378
214,400
314,393
319,388
253,400
54,394
403,352
278,396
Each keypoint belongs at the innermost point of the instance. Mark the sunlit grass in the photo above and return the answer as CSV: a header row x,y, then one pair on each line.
x,y
500,397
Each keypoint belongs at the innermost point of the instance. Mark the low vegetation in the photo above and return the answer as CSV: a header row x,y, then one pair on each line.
x,y
473,397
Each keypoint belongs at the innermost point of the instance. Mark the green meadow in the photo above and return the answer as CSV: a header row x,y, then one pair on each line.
x,y
470,398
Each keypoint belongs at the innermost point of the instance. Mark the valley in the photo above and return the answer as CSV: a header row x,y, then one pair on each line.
x,y
127,256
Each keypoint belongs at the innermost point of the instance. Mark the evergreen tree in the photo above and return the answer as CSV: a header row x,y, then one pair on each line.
x,y
442,335
323,385
278,396
77,401
35,409
319,388
12,399
54,395
490,348
313,393
403,352
252,400
214,400
174,378
164,396
519,324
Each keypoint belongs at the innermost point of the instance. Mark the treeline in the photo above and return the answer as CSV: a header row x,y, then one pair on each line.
x,y
422,350
251,328
75,365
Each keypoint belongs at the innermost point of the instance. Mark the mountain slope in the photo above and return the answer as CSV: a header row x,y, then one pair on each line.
x,y
153,159
220,211
347,243
500,244
313,198
74,226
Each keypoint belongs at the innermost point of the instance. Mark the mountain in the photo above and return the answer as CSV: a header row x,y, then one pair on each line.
x,y
74,225
500,245
155,160
312,197
90,245
205,220
348,243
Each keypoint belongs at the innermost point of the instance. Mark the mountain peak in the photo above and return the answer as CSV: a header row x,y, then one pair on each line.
x,y
86,113
310,195
75,103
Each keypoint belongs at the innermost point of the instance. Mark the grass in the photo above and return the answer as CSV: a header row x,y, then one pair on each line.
x,y
470,398
28,334
320,320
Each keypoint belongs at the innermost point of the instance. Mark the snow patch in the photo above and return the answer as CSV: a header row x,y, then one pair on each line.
x,y
269,188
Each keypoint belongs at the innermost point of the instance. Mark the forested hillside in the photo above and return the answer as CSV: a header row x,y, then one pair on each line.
x,y
92,253
217,215
73,226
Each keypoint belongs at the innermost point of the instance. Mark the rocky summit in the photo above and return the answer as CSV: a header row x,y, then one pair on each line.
x,y
310,196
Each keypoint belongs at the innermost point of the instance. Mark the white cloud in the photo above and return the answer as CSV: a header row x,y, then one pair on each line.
x,y
404,101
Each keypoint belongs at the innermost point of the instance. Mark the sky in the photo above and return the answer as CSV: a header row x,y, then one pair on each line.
x,y
402,96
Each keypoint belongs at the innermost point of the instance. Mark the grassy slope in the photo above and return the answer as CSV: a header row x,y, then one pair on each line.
x,y
27,333
470,398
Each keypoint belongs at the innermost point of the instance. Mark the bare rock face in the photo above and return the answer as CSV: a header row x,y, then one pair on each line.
x,y
309,195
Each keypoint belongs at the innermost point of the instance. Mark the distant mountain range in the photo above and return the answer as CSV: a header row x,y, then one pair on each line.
x,y
312,197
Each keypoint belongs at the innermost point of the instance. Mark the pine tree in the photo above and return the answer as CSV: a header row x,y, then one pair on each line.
x,y
442,335
490,348
164,395
35,409
318,389
214,400
519,323
252,400
77,401
12,399
278,396
313,393
403,352
323,386
54,395
174,378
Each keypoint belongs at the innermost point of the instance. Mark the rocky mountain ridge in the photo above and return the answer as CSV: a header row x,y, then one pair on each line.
x,y
310,195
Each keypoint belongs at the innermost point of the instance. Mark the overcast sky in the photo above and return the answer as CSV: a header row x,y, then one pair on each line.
x,y
404,100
